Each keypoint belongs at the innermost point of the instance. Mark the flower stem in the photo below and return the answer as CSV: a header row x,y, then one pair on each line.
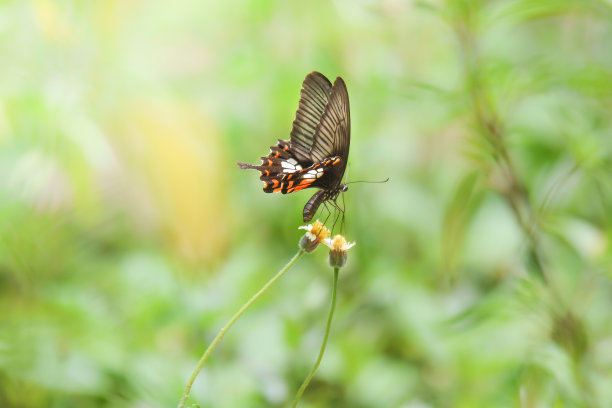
x,y
231,322
323,345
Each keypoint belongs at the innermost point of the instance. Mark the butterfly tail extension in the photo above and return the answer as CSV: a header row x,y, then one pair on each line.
x,y
245,166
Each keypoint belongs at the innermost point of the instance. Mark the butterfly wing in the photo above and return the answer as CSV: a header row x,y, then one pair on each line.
x,y
333,134
282,172
322,124
314,97
279,163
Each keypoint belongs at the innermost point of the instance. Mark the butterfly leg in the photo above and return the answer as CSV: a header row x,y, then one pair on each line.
x,y
325,209
342,222
339,213
334,204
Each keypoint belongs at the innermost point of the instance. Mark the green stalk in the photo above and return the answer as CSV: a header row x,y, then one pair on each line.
x,y
231,322
323,345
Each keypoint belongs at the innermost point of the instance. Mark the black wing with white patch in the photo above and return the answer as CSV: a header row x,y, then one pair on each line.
x,y
317,152
281,171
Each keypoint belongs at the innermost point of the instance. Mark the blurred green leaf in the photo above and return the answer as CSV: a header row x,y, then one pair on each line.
x,y
457,216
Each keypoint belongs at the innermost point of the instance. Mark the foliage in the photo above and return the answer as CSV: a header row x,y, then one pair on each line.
x,y
482,270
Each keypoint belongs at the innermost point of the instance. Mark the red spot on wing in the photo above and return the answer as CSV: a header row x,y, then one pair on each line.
x,y
302,185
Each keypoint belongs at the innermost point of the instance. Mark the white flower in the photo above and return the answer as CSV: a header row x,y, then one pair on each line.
x,y
315,234
337,250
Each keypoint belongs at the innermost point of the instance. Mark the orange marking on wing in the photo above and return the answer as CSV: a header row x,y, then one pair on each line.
x,y
303,184
269,162
275,183
267,172
337,160
276,154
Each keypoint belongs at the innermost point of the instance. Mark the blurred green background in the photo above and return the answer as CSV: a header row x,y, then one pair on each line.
x,y
128,236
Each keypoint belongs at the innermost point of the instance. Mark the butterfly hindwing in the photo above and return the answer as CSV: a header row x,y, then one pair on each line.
x,y
312,176
278,163
282,173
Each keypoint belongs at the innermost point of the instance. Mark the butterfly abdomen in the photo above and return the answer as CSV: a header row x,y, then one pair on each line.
x,y
311,207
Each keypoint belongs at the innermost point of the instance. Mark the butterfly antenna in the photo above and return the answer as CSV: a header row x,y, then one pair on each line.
x,y
369,182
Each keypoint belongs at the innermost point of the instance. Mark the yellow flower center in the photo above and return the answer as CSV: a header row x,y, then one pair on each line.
x,y
319,231
339,243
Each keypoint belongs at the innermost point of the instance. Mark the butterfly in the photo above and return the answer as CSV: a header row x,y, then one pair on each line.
x,y
316,154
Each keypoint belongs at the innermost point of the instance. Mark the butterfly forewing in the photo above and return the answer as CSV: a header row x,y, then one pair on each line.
x,y
333,134
313,101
